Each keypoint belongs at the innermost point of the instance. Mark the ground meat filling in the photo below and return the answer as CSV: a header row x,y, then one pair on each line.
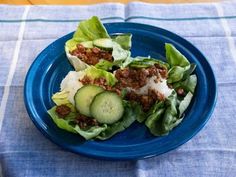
x,y
101,82
137,78
81,120
85,122
63,111
145,100
91,56
180,92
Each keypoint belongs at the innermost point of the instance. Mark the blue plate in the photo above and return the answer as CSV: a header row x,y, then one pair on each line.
x,y
51,66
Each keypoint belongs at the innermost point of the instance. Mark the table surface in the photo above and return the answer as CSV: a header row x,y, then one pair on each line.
x,y
27,30
80,2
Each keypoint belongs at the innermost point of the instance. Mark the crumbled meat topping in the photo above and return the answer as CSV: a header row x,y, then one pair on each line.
x,y
85,122
101,82
145,100
170,86
180,92
91,56
81,120
137,78
86,80
63,110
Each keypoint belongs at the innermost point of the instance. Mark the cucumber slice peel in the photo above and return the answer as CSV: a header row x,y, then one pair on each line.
x,y
104,43
84,97
87,44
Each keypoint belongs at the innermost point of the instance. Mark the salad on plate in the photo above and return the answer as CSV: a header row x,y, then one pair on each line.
x,y
109,90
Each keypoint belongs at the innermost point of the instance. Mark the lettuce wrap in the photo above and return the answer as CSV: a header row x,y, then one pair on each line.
x,y
87,33
167,114
69,86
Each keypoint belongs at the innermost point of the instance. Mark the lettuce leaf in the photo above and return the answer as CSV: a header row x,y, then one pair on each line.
x,y
165,115
62,123
188,84
75,61
71,44
71,83
174,57
174,113
176,73
143,62
180,72
104,65
126,62
153,112
140,115
162,115
67,124
127,119
92,132
121,46
183,105
94,73
119,54
189,71
154,122
60,98
124,40
91,29
101,132
88,30
170,118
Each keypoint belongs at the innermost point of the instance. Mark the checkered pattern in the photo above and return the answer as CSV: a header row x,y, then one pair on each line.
x,y
26,30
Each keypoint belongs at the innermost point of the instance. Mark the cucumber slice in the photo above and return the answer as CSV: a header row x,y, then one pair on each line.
x,y
87,44
84,97
107,107
104,43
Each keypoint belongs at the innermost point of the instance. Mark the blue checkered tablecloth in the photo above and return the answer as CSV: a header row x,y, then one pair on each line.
x,y
26,30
